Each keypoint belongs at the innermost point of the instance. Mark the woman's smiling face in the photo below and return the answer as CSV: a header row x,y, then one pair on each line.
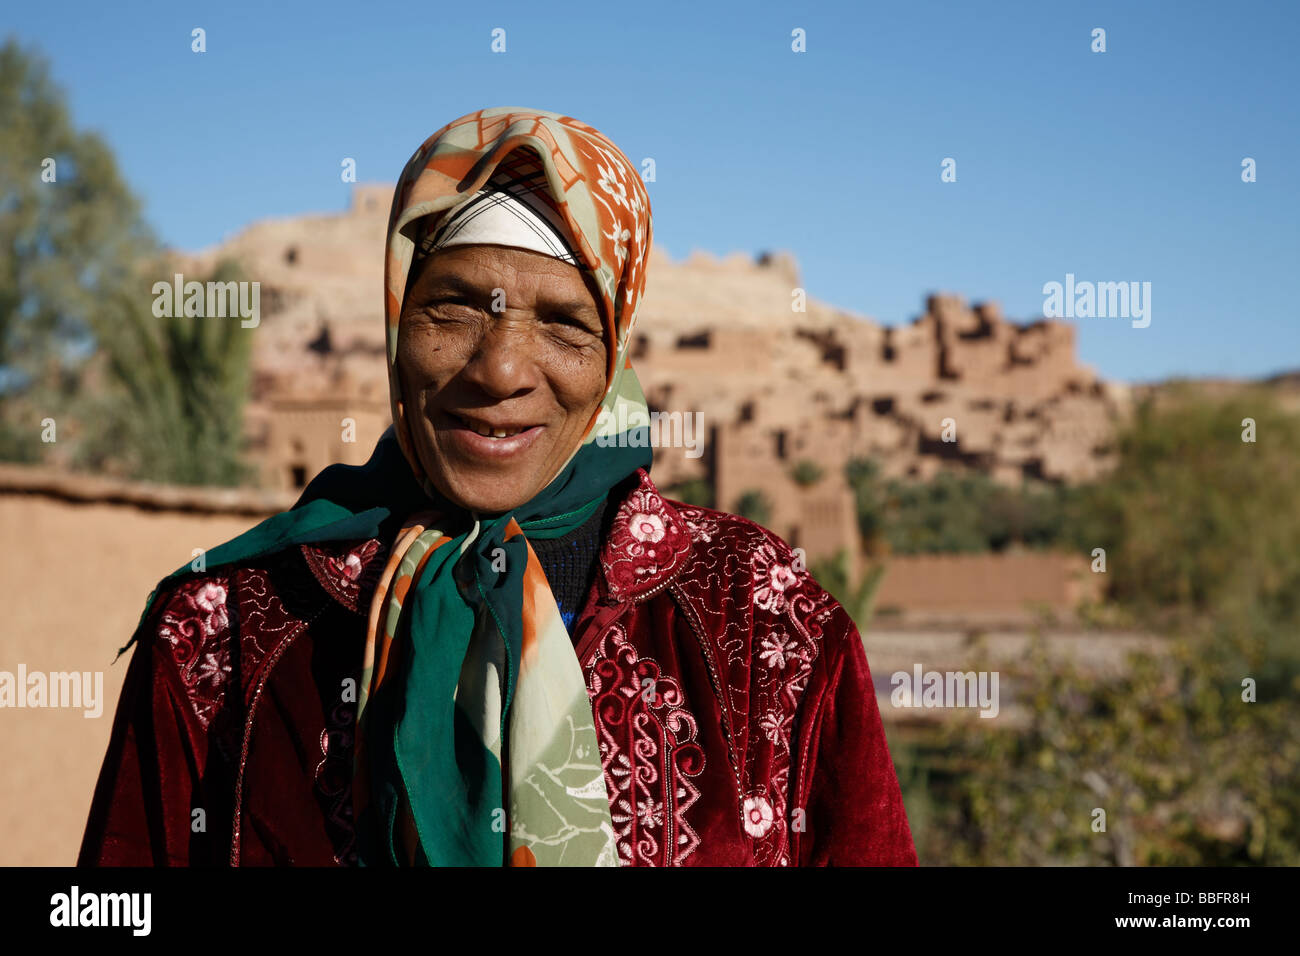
x,y
497,341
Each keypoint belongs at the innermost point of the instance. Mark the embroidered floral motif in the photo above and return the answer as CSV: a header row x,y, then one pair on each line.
x,y
793,621
648,750
701,525
771,579
771,725
646,527
210,599
647,543
346,575
757,816
195,622
776,649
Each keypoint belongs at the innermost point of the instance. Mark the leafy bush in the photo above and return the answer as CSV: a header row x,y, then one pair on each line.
x,y
1188,774
694,491
1200,526
806,473
954,512
754,506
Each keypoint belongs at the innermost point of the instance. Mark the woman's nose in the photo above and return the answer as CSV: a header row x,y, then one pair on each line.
x,y
505,361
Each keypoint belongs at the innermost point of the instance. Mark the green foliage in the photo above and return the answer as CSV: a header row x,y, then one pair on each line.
x,y
954,512
1187,773
1202,540
151,398
66,247
754,506
806,473
863,476
943,514
172,410
858,598
1197,519
694,491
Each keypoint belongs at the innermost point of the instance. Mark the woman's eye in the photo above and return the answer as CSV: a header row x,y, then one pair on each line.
x,y
453,307
572,322
573,333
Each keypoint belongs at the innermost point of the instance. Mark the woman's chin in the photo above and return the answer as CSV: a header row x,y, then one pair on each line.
x,y
484,494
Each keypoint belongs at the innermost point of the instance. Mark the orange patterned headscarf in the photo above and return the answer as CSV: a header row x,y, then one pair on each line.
x,y
595,188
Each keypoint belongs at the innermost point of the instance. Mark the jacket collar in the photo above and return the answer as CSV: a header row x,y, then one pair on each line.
x,y
647,545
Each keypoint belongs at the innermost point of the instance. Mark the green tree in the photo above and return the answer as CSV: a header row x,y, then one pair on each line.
x,y
147,397
955,512
172,406
1199,517
70,236
1201,529
863,475
945,514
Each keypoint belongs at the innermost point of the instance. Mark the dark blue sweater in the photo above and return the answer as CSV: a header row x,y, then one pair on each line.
x,y
570,563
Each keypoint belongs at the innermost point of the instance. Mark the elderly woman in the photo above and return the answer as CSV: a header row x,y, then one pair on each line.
x,y
497,643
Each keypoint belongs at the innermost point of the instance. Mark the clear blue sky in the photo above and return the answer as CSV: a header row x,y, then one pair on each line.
x,y
1122,166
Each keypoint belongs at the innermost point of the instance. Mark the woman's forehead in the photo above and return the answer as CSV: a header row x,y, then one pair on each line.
x,y
482,269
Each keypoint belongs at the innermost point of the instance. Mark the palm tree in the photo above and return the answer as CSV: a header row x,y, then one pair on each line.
x,y
172,408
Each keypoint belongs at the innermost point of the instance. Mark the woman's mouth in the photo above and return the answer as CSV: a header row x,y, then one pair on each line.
x,y
490,440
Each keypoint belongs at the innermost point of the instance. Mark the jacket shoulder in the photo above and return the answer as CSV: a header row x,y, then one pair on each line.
x,y
753,593
768,616
200,627
753,565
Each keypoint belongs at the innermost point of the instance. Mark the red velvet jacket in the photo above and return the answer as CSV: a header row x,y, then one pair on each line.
x,y
761,744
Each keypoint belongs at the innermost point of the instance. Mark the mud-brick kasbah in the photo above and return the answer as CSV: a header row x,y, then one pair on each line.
x,y
774,386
